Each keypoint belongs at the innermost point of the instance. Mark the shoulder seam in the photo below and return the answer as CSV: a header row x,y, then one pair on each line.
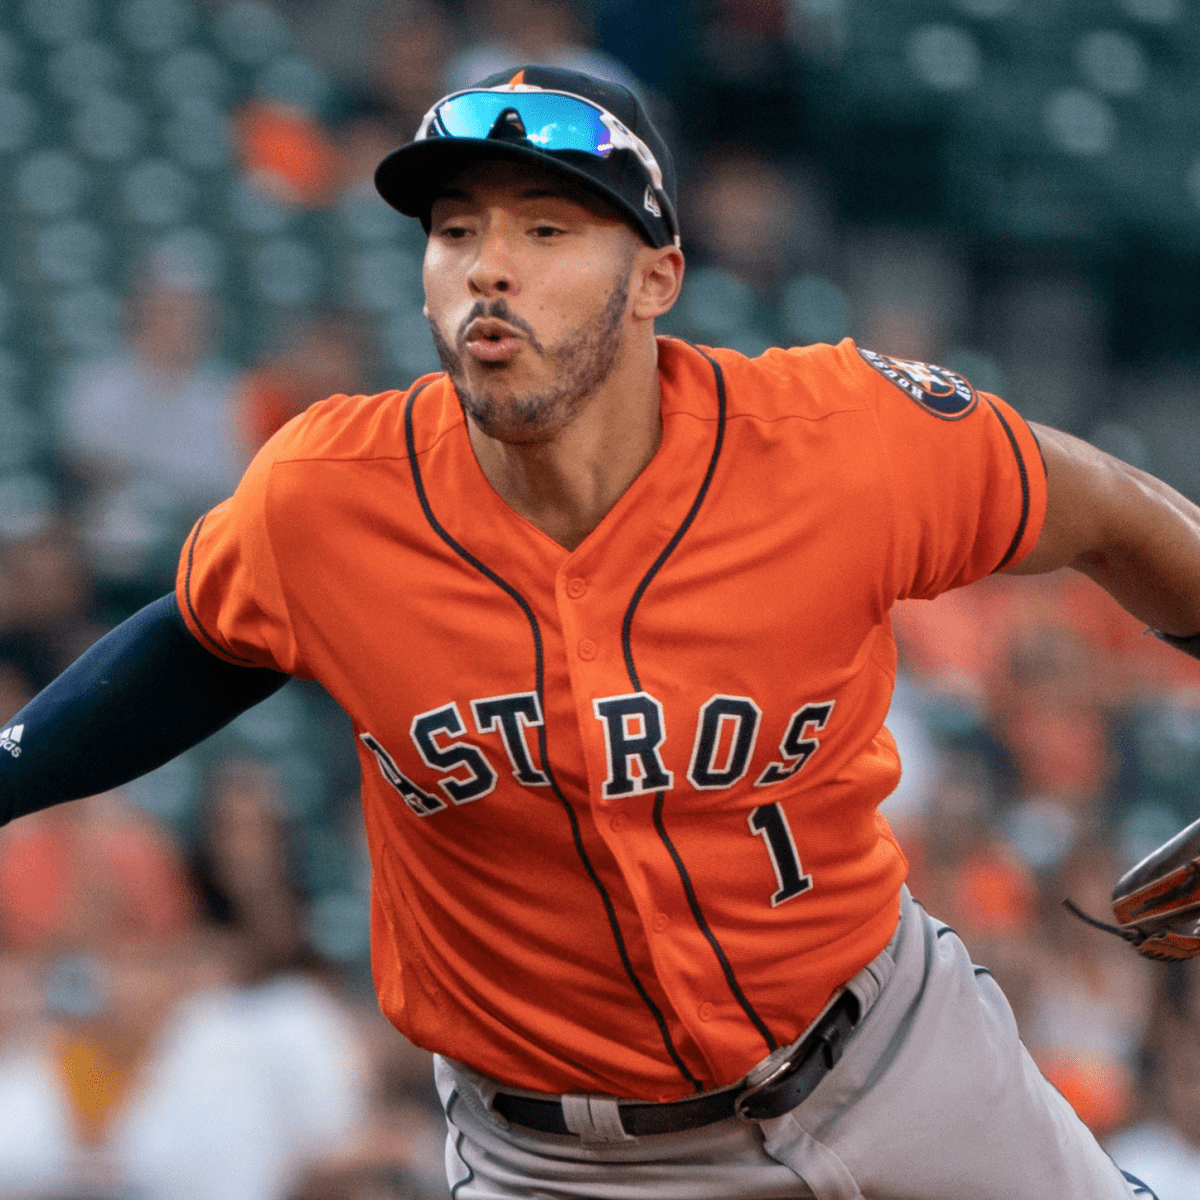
x,y
401,457
865,400
213,644
1026,496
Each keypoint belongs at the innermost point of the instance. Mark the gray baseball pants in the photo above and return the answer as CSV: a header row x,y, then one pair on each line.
x,y
935,1098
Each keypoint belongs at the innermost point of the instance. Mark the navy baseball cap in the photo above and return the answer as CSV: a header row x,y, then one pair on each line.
x,y
588,128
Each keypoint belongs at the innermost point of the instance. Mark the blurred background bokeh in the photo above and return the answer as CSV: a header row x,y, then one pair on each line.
x,y
192,252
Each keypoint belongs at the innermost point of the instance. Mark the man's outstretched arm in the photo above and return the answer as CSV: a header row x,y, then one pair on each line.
x,y
1136,537
141,695
1140,540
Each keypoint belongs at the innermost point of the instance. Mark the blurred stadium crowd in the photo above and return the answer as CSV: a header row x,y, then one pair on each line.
x,y
192,252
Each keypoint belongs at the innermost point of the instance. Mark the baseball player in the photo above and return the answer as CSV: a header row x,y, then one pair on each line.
x,y
610,615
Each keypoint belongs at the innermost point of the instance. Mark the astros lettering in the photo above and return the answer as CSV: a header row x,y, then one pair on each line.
x,y
726,733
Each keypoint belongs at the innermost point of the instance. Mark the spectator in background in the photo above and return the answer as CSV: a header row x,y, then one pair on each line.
x,y
90,875
321,356
762,238
149,433
244,870
396,1152
1051,713
309,1043
153,1077
748,217
15,689
416,58
182,1061
408,52
904,329
286,153
1091,998
554,32
911,294
961,865
964,642
45,592
1163,1145
34,1129
408,60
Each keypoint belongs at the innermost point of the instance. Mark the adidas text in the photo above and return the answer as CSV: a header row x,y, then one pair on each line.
x,y
10,740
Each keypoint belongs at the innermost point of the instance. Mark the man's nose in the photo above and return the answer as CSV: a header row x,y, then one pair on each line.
x,y
493,273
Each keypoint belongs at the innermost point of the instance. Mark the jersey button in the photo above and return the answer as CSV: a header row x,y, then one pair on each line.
x,y
661,922
705,1011
587,649
577,588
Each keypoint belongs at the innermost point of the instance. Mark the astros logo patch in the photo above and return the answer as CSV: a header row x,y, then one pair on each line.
x,y
938,390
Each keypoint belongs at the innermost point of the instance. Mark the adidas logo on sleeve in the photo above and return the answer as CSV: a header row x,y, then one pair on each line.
x,y
10,739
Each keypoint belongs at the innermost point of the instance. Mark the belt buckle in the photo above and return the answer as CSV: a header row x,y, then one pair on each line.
x,y
763,1077
779,1064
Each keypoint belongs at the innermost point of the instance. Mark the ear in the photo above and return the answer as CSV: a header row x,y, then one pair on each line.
x,y
655,281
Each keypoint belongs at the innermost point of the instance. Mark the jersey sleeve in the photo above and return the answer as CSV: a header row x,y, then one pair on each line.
x,y
967,480
228,584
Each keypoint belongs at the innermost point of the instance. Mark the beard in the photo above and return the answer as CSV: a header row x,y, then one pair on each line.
x,y
579,364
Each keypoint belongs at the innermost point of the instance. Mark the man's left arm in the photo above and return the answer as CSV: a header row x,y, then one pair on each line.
x,y
145,692
1138,538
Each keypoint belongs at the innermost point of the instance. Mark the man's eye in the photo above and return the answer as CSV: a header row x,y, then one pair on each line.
x,y
454,232
546,231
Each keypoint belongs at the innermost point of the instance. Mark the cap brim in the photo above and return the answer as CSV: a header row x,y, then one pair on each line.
x,y
411,178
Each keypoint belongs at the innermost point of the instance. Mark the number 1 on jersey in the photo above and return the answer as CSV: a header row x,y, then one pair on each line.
x,y
769,823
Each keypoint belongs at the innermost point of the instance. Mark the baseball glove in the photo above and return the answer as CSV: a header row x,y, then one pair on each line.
x,y
1157,903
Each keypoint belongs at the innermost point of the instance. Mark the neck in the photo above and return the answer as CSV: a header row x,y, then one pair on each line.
x,y
566,485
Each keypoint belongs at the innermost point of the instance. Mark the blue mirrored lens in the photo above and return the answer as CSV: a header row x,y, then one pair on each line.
x,y
551,122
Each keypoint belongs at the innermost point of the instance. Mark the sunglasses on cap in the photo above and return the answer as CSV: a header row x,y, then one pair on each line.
x,y
547,120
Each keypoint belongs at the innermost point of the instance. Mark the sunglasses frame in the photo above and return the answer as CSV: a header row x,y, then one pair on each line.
x,y
620,135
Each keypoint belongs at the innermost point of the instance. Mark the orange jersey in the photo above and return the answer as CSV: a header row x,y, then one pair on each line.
x,y
621,801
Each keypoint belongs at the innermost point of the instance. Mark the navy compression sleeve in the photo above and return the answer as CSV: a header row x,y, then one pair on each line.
x,y
141,695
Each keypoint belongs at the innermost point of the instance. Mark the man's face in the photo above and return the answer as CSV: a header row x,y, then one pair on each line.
x,y
527,295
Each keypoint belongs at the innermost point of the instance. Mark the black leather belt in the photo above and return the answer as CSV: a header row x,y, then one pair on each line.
x,y
773,1088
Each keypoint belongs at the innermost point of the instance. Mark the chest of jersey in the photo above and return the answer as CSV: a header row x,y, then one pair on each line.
x,y
697,642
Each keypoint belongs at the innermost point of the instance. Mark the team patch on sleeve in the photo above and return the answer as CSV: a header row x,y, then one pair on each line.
x,y
938,390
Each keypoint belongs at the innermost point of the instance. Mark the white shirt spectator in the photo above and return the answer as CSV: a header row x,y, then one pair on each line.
x,y
151,432
170,436
1161,1157
244,1090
